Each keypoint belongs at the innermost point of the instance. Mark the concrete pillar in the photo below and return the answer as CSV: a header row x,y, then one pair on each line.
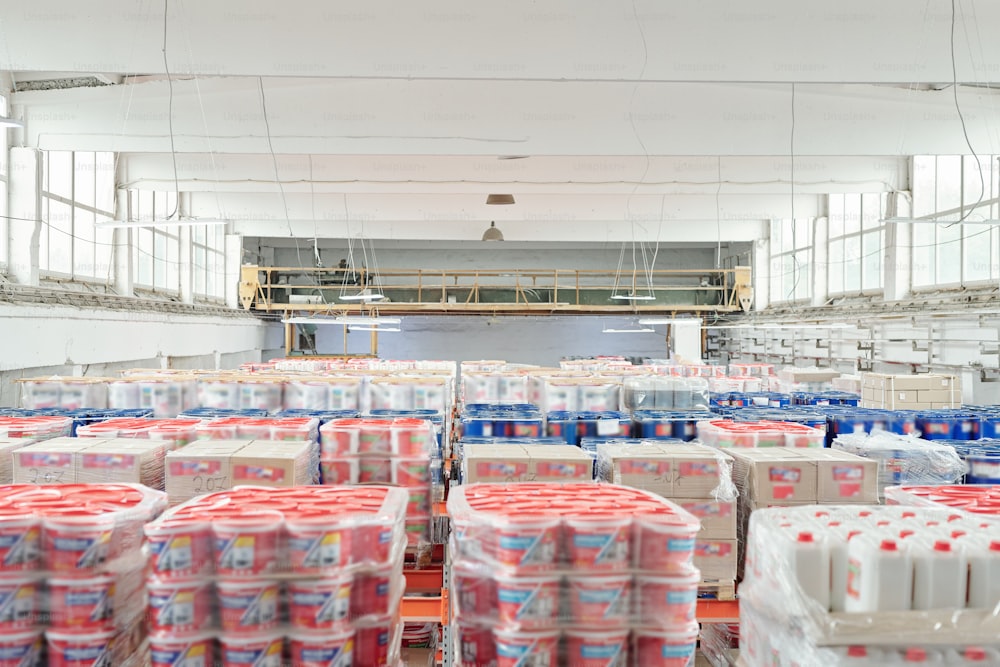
x,y
233,259
24,188
186,268
761,273
123,248
821,257
897,270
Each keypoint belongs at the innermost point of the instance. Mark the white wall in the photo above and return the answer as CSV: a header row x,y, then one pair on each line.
x,y
56,340
534,340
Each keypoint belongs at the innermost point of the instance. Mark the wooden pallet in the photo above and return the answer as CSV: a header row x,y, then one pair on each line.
x,y
717,590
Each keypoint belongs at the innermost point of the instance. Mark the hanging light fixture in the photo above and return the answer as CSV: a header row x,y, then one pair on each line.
x,y
492,233
370,287
499,200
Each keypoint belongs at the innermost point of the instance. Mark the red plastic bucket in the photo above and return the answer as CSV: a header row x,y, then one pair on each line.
x,y
179,606
81,604
340,438
475,594
600,601
530,543
476,646
320,604
528,601
246,544
371,644
374,470
371,594
667,600
517,649
19,543
318,544
77,541
18,603
411,472
179,547
80,649
664,546
339,471
375,437
325,650
656,648
256,650
248,606
186,651
411,437
20,649
587,648
599,542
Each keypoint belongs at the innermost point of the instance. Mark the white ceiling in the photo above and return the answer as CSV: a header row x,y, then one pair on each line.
x,y
640,119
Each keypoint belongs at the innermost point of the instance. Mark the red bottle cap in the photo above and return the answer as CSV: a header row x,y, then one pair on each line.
x,y
942,545
888,545
805,537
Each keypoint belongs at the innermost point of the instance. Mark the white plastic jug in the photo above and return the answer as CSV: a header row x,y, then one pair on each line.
x,y
859,656
914,656
940,574
879,575
840,536
809,558
983,555
973,656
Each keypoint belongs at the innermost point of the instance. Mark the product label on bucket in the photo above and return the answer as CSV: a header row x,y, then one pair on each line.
x,y
176,608
236,553
268,656
320,550
196,655
680,544
19,547
94,605
611,653
614,600
530,604
172,554
327,656
255,608
17,604
323,607
86,552
529,550
682,597
602,548
26,654
98,656
676,650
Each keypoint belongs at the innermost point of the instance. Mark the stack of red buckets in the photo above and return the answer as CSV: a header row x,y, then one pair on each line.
x,y
571,574
304,576
71,573
383,451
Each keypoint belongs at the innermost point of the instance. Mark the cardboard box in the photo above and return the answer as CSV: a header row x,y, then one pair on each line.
x,y
122,460
641,465
526,463
716,559
50,461
276,463
7,448
796,375
845,477
775,474
202,467
698,470
718,518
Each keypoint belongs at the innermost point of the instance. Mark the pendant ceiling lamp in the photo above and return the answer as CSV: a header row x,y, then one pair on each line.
x,y
361,280
492,233
500,200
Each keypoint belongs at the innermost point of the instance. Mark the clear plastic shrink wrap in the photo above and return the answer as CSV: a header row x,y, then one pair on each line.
x,y
852,585
905,459
571,574
72,567
258,576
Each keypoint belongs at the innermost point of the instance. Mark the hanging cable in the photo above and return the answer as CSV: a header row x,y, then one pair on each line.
x,y
965,132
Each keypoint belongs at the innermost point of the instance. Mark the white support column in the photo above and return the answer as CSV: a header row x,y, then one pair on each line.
x,y
761,273
185,270
234,260
897,270
25,187
821,256
123,248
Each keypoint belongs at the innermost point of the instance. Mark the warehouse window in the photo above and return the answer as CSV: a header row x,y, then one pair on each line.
x,y
155,251
954,254
4,223
791,260
208,254
856,242
78,189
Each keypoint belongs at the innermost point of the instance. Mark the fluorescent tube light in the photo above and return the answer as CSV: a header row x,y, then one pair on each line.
x,y
363,296
388,329
669,320
629,330
11,122
633,297
343,321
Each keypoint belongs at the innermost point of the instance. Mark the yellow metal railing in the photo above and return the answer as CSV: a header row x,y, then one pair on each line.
x,y
295,288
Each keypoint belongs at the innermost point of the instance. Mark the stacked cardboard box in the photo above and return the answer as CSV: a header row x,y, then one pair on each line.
x,y
910,392
790,477
525,463
694,476
90,461
207,466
